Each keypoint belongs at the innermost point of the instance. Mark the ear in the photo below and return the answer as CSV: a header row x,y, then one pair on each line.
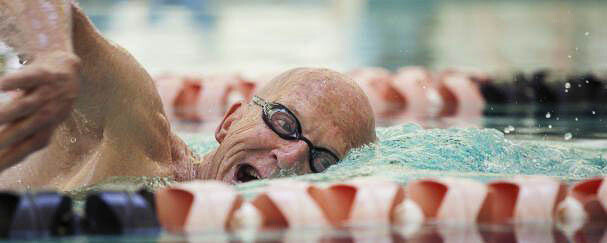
x,y
231,115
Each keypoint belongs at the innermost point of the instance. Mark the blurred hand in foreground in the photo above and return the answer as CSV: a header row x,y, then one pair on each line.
x,y
49,87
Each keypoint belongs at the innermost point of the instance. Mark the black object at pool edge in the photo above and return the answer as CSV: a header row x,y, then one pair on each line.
x,y
121,213
36,215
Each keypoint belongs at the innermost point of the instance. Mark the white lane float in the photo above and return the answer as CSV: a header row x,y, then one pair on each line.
x,y
363,201
198,98
448,199
412,94
416,85
290,204
211,205
377,84
461,95
197,206
586,201
522,199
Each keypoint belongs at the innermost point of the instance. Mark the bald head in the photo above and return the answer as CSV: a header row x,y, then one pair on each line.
x,y
331,98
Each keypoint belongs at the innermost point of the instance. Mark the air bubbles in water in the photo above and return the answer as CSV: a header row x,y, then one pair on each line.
x,y
568,136
509,129
548,115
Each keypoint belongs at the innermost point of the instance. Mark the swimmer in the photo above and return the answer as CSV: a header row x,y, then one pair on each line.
x,y
89,111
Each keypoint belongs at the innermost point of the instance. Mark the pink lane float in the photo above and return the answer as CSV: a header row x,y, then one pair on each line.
x,y
586,201
209,205
197,206
522,199
411,94
448,199
415,94
197,98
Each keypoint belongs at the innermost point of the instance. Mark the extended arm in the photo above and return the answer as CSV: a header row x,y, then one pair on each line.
x,y
117,125
41,32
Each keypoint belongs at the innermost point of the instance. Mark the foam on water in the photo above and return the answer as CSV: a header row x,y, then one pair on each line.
x,y
408,151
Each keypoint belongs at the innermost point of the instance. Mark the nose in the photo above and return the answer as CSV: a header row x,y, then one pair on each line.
x,y
291,154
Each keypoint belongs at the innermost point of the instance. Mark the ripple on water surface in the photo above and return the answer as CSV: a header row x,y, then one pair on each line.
x,y
408,151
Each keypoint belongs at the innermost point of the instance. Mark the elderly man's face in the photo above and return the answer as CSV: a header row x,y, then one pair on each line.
x,y
249,149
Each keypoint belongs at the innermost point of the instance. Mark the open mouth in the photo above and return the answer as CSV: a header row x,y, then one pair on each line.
x,y
246,173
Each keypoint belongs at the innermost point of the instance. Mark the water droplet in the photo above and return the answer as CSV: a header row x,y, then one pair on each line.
x,y
587,81
567,85
568,136
576,119
566,91
509,129
569,56
594,112
548,115
576,49
550,126
557,118
587,33
73,140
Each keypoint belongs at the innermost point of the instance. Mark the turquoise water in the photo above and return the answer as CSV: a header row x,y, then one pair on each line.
x,y
408,151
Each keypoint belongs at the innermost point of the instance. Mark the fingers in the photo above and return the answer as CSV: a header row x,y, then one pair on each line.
x,y
26,78
18,152
23,106
43,119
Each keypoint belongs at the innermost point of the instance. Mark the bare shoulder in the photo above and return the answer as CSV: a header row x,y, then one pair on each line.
x,y
117,126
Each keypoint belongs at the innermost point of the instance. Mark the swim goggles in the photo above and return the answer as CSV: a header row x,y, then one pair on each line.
x,y
284,123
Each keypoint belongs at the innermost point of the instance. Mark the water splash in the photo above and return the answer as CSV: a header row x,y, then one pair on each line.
x,y
408,151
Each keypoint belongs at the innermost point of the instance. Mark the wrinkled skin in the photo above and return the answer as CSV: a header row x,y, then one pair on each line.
x,y
321,99
117,126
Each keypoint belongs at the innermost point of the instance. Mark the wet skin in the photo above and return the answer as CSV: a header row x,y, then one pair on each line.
x,y
321,99
117,127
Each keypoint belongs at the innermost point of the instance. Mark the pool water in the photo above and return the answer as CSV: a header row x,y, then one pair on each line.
x,y
408,151
508,143
569,141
